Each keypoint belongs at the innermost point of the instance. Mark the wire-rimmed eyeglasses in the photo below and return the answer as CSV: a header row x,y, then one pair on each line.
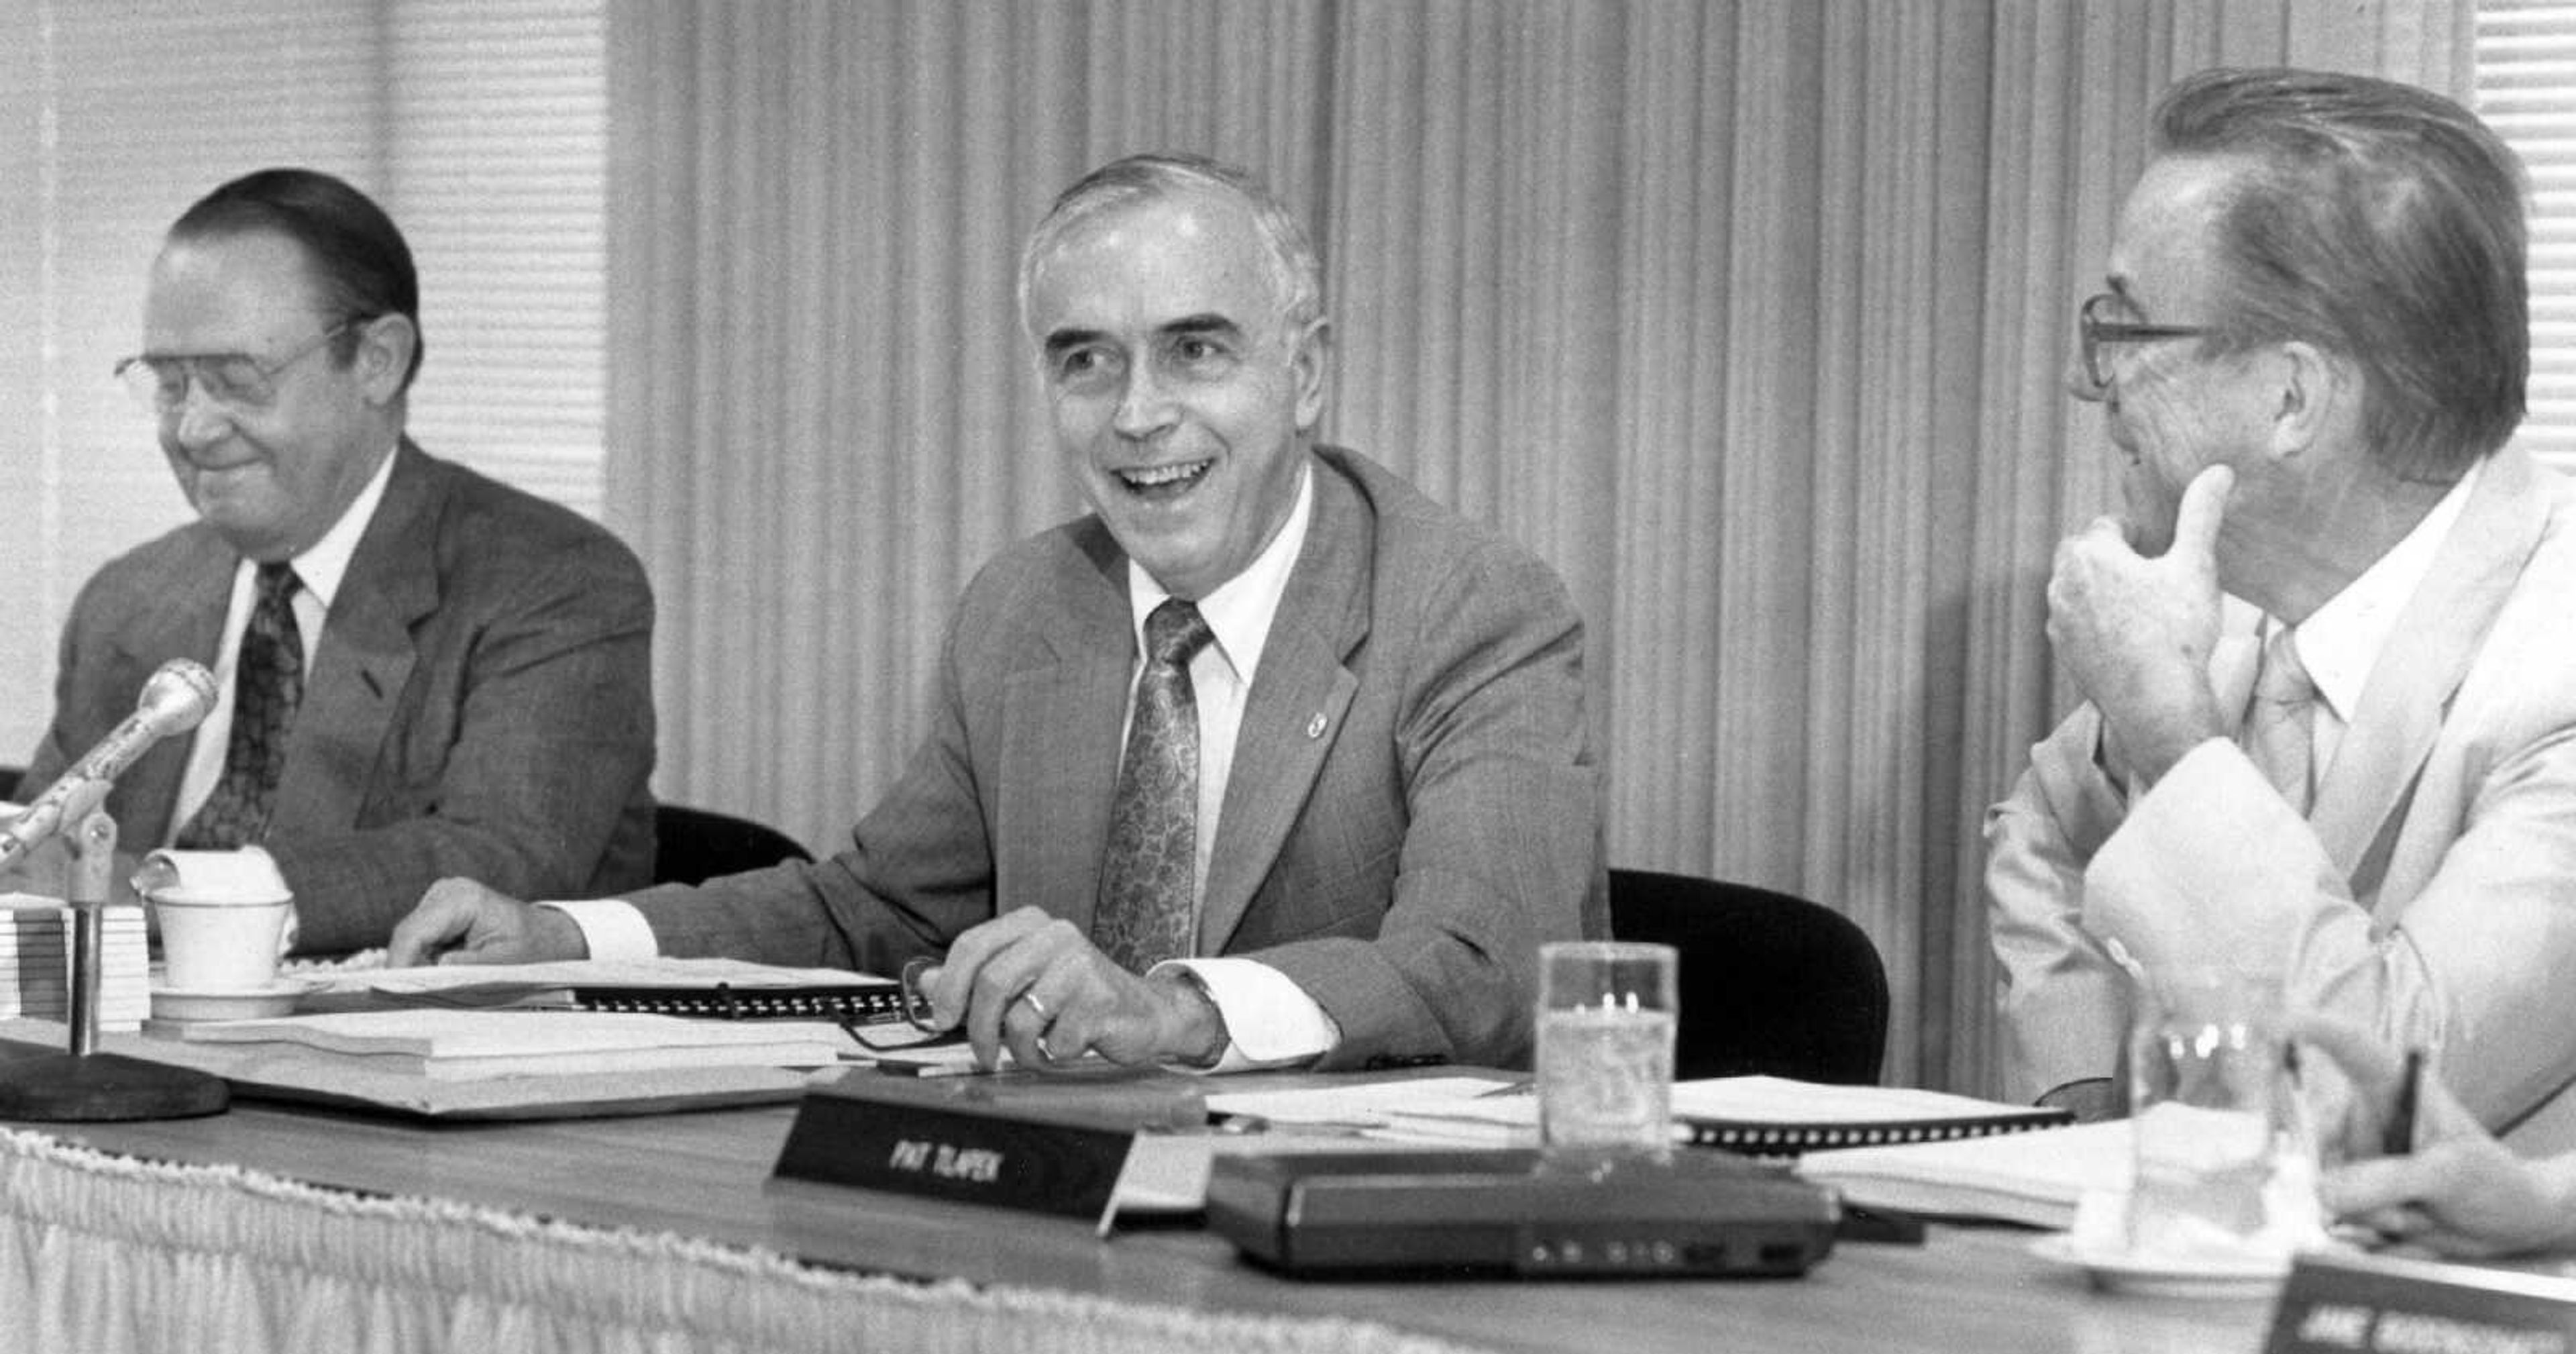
x,y
159,381
2093,332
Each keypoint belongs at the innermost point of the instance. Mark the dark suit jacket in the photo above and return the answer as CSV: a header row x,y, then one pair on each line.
x,y
481,703
1414,805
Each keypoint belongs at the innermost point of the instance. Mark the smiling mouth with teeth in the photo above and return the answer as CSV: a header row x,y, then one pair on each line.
x,y
1165,478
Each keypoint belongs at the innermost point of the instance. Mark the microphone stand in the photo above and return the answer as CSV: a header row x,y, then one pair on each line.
x,y
82,1084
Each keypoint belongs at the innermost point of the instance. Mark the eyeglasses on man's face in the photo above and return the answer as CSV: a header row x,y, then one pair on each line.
x,y
159,381
2097,328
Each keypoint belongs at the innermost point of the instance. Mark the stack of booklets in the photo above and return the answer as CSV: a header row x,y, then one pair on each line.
x,y
461,1045
35,979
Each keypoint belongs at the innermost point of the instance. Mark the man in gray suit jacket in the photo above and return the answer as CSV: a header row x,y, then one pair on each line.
x,y
473,662
1396,795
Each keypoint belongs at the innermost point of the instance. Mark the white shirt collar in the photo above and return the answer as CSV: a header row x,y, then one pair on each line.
x,y
1239,612
2343,639
321,568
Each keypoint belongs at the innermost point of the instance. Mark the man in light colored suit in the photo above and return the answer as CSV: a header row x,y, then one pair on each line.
x,y
470,682
2360,778
1395,794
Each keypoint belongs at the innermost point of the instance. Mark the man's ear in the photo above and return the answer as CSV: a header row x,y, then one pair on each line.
x,y
1307,364
383,359
2315,389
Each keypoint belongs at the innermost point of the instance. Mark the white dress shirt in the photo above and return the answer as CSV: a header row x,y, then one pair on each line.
x,y
2341,641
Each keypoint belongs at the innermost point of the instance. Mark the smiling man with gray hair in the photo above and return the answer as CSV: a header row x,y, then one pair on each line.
x,y
1267,760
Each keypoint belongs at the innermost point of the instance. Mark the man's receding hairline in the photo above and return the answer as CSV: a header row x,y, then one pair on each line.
x,y
1092,223
317,281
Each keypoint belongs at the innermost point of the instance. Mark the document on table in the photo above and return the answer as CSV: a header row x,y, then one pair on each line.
x,y
1437,1110
2036,1178
1168,1172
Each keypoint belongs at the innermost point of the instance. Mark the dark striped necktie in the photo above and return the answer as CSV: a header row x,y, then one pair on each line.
x,y
268,684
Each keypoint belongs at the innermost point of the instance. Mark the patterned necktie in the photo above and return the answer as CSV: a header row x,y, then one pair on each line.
x,y
1149,885
2279,726
268,683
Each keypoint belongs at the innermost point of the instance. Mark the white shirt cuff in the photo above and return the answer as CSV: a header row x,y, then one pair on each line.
x,y
611,927
1269,1020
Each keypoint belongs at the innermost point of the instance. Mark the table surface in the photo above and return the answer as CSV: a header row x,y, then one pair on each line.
x,y
707,1174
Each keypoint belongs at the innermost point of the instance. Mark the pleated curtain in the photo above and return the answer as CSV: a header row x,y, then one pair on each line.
x,y
1748,315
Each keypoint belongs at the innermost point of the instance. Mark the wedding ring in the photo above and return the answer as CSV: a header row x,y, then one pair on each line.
x,y
1038,1006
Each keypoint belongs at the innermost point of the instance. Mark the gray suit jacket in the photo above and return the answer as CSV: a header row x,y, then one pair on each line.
x,y
481,703
2429,894
1414,806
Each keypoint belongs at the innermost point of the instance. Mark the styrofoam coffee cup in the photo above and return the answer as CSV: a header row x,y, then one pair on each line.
x,y
221,941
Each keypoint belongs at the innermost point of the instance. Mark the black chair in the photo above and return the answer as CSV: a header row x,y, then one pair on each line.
x,y
691,846
1770,984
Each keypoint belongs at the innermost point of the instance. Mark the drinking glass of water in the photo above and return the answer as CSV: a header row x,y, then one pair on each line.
x,y
2215,1126
1605,1053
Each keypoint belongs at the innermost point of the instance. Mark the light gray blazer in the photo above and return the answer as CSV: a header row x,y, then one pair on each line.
x,y
2430,894
1414,805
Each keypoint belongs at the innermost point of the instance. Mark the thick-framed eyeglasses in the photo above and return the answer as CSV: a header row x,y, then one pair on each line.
x,y
159,381
2095,331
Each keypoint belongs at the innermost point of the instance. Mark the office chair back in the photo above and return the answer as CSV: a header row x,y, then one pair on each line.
x,y
691,846
1770,984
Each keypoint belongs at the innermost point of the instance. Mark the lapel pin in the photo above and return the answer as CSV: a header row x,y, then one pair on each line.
x,y
1315,726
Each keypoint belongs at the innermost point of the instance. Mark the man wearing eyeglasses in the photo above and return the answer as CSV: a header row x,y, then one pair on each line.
x,y
2328,644
421,672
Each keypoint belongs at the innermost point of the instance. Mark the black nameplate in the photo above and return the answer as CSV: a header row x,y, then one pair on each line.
x,y
2337,1304
1018,1142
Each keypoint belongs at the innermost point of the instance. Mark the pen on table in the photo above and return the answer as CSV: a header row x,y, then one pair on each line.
x,y
2397,1138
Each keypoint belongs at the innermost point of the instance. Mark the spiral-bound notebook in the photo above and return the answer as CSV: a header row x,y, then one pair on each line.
x,y
721,989
1774,1116
861,1002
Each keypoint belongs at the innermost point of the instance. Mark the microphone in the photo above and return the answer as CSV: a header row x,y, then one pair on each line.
x,y
175,700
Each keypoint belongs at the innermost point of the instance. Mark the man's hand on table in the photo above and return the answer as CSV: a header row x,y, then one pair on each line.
x,y
1038,986
461,922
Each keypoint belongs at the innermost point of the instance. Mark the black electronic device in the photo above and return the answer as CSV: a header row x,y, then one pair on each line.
x,y
1508,1212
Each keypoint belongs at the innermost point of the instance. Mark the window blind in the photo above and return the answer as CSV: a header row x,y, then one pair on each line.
x,y
481,125
496,167
2526,90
